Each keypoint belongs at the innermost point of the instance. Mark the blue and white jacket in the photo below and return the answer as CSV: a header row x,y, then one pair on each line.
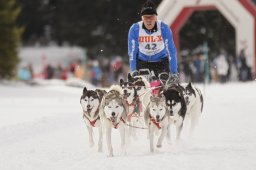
x,y
151,46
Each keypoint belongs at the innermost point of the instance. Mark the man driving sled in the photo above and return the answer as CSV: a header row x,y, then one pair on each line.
x,y
151,46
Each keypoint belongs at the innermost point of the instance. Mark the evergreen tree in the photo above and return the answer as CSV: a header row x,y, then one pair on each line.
x,y
96,25
9,38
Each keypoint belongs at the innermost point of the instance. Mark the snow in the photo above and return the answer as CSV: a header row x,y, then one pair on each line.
x,y
41,127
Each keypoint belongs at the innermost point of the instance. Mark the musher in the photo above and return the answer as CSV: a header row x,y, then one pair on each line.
x,y
151,46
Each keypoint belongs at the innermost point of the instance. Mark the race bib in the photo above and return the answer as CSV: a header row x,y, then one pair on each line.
x,y
150,44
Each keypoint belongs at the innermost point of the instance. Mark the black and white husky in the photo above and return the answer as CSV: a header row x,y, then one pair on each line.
x,y
90,102
157,119
113,115
194,101
177,107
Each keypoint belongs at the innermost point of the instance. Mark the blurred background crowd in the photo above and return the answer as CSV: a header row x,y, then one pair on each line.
x,y
105,71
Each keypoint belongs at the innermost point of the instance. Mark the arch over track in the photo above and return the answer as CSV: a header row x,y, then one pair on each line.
x,y
240,13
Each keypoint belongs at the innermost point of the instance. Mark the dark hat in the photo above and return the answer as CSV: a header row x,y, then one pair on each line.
x,y
148,8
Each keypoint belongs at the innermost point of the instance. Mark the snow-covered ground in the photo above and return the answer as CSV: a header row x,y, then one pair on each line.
x,y
41,127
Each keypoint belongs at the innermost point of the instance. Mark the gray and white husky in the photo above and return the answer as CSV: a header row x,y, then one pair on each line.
x,y
90,102
133,107
157,119
143,90
113,115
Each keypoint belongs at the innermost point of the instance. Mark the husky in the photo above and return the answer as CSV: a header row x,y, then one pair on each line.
x,y
194,101
157,118
90,102
133,106
177,107
113,115
143,89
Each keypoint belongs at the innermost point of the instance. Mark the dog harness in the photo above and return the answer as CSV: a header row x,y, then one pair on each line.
x,y
116,124
155,122
137,109
92,123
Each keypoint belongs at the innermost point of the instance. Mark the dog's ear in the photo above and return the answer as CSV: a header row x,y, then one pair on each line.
x,y
181,87
153,99
101,110
189,86
121,82
84,90
130,78
183,109
100,93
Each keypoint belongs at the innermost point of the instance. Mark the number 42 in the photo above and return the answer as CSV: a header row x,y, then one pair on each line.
x,y
150,46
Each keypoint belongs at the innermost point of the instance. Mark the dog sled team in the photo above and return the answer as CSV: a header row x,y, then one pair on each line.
x,y
140,103
154,101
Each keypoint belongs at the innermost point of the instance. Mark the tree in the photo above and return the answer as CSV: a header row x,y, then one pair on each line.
x,y
9,38
99,26
96,25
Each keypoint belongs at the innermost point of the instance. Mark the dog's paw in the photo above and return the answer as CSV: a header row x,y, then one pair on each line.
x,y
159,146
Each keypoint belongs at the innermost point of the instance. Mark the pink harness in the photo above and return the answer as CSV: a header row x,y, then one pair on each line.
x,y
157,85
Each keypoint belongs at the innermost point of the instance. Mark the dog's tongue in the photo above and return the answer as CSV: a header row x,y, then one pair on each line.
x,y
126,95
89,111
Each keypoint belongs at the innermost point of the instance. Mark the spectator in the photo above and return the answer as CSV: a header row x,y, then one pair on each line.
x,y
49,71
79,71
96,73
222,67
31,70
24,74
58,71
117,67
244,70
198,66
